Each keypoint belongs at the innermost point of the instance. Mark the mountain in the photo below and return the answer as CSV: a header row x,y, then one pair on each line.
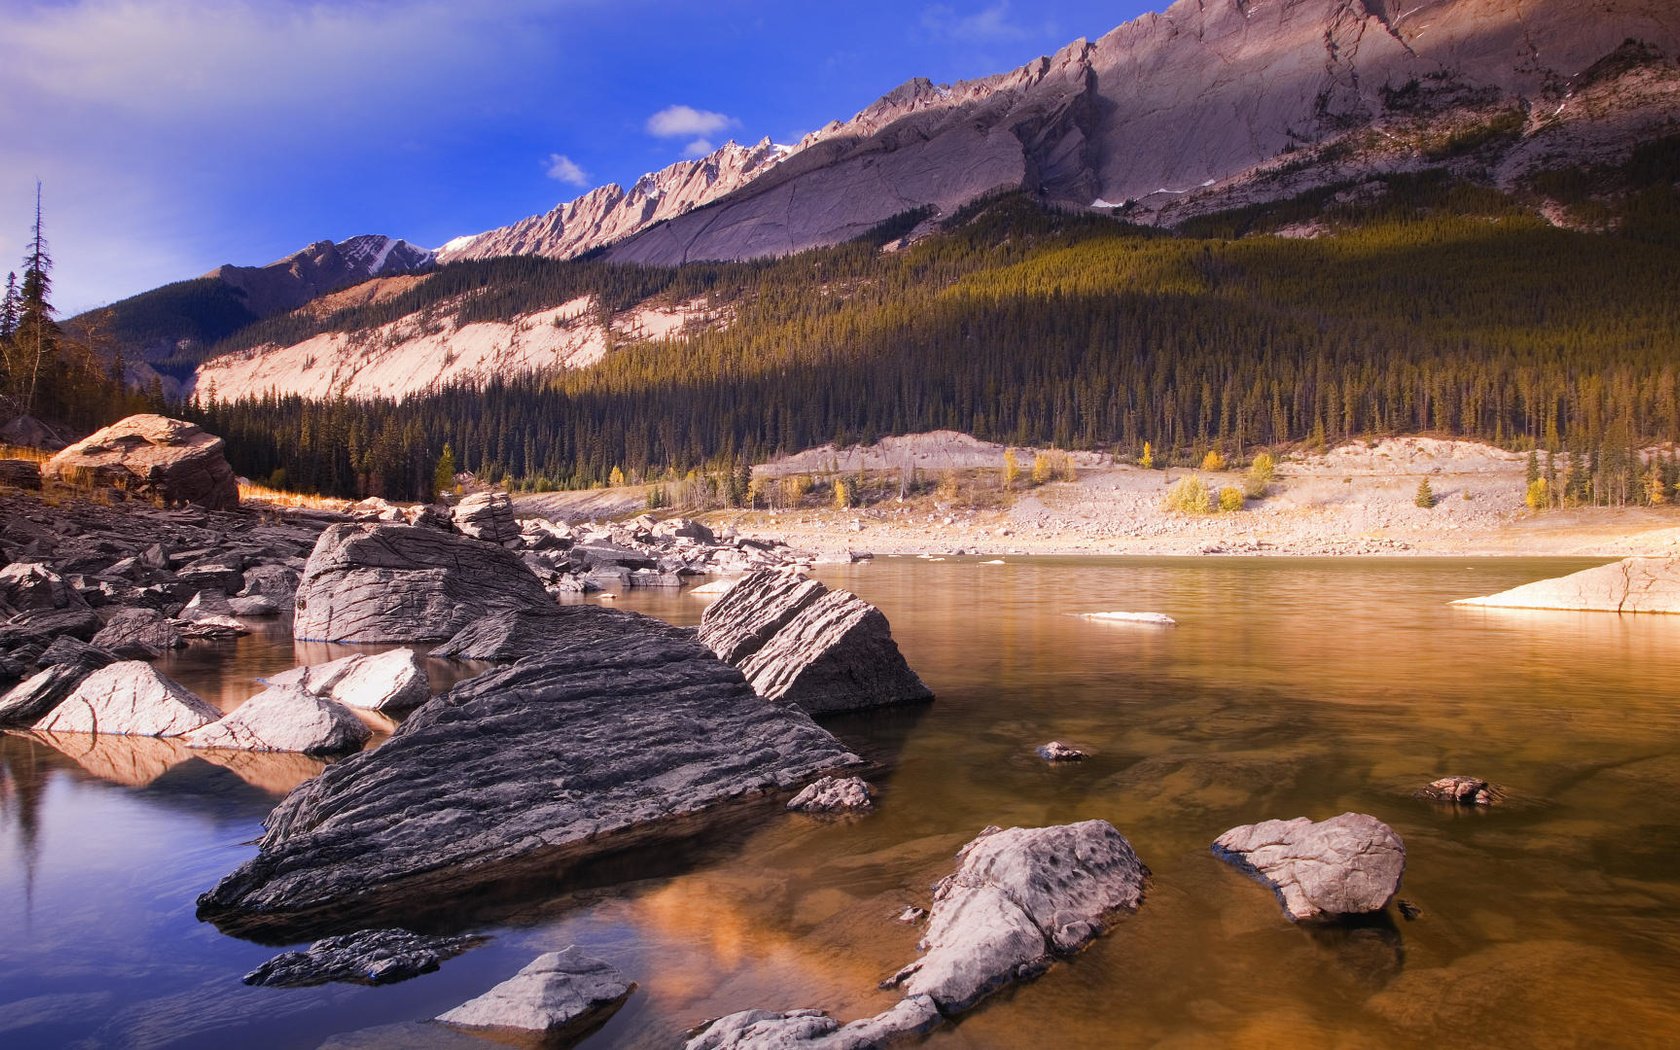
x,y
320,268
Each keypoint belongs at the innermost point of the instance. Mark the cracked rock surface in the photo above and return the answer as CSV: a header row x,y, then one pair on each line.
x,y
1348,865
363,957
1632,585
284,718
564,991
815,1030
128,698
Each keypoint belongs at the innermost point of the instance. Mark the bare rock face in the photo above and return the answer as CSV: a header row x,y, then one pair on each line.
x,y
1632,585
799,642
138,634
504,637
1348,865
363,957
559,992
1021,897
815,1030
154,456
28,586
590,747
284,719
835,795
390,681
33,698
406,583
278,582
486,516
128,699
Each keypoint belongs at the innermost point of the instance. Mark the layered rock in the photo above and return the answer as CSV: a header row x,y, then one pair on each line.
x,y
1021,898
472,789
406,583
389,681
1632,585
800,643
284,719
1348,865
557,993
816,1030
153,456
129,698
486,516
363,957
29,586
505,637
32,699
138,634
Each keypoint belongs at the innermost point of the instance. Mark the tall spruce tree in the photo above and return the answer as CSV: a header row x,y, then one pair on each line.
x,y
9,309
37,333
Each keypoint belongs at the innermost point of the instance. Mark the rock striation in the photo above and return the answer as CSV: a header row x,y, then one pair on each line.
x,y
813,1029
284,719
1348,865
153,456
799,642
138,634
486,516
128,698
559,993
32,699
472,789
406,583
363,957
1632,585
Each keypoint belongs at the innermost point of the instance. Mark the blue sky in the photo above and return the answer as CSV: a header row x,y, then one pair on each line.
x,y
175,135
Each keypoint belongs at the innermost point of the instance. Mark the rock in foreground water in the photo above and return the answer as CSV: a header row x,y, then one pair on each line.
x,y
835,795
1348,865
63,671
815,1030
129,698
1020,898
1632,585
284,718
363,957
406,583
591,747
1461,791
153,456
558,993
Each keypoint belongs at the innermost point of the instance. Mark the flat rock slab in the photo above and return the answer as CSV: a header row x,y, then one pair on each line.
x,y
1020,898
284,718
407,583
504,637
559,992
595,745
129,698
1633,585
815,1030
1348,865
363,957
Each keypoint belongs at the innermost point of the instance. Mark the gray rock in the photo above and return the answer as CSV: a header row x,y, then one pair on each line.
x,y
838,654
504,637
284,718
746,616
683,529
1632,585
277,582
128,699
406,583
67,650
31,700
835,795
316,679
1056,751
153,456
1020,898
38,627
253,605
475,787
1462,791
559,992
207,606
363,957
138,634
390,681
223,573
31,586
20,474
486,516
815,1030
1348,865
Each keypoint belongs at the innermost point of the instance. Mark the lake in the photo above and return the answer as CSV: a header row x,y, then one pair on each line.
x,y
1290,688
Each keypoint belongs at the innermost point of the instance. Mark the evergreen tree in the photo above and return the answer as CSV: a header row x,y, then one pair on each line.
x,y
443,478
36,338
1425,495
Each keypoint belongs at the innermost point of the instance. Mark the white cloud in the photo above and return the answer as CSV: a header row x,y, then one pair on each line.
x,y
562,168
698,148
683,121
988,25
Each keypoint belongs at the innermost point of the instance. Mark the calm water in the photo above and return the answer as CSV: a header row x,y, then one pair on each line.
x,y
1290,688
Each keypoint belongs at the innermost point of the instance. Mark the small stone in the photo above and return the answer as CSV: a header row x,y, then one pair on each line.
x,y
284,719
1348,865
565,991
835,795
911,916
1462,791
794,1029
363,957
1056,751
390,681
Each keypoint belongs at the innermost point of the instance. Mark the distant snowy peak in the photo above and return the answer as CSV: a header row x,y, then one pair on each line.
x,y
321,268
380,256
610,213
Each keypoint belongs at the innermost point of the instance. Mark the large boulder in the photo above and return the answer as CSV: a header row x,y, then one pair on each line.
x,y
154,456
390,681
363,957
1632,585
1020,898
815,1030
406,583
593,746
284,719
138,634
1348,865
559,993
508,636
799,642
129,698
486,516
32,699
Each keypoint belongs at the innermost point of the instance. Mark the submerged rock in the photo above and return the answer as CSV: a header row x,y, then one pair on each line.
x,y
1462,791
1348,865
558,993
128,699
154,456
406,583
814,1029
363,957
1020,898
835,795
590,747
284,718
1056,751
1632,585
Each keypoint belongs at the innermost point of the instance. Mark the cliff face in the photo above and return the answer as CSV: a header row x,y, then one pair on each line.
x,y
319,269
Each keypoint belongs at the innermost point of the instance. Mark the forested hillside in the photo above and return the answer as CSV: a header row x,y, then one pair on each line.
x,y
1419,304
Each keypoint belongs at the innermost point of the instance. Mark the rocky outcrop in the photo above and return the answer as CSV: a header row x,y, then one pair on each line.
x,y
1348,865
1633,585
363,957
129,698
1021,898
800,643
153,456
20,474
284,719
474,789
486,516
30,586
138,634
390,681
835,795
815,1030
32,699
406,583
1461,791
505,637
559,993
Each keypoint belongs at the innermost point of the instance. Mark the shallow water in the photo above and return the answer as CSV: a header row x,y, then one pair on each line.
x,y
1289,688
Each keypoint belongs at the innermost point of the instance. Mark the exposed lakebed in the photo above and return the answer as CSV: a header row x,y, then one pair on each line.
x,y
1289,688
